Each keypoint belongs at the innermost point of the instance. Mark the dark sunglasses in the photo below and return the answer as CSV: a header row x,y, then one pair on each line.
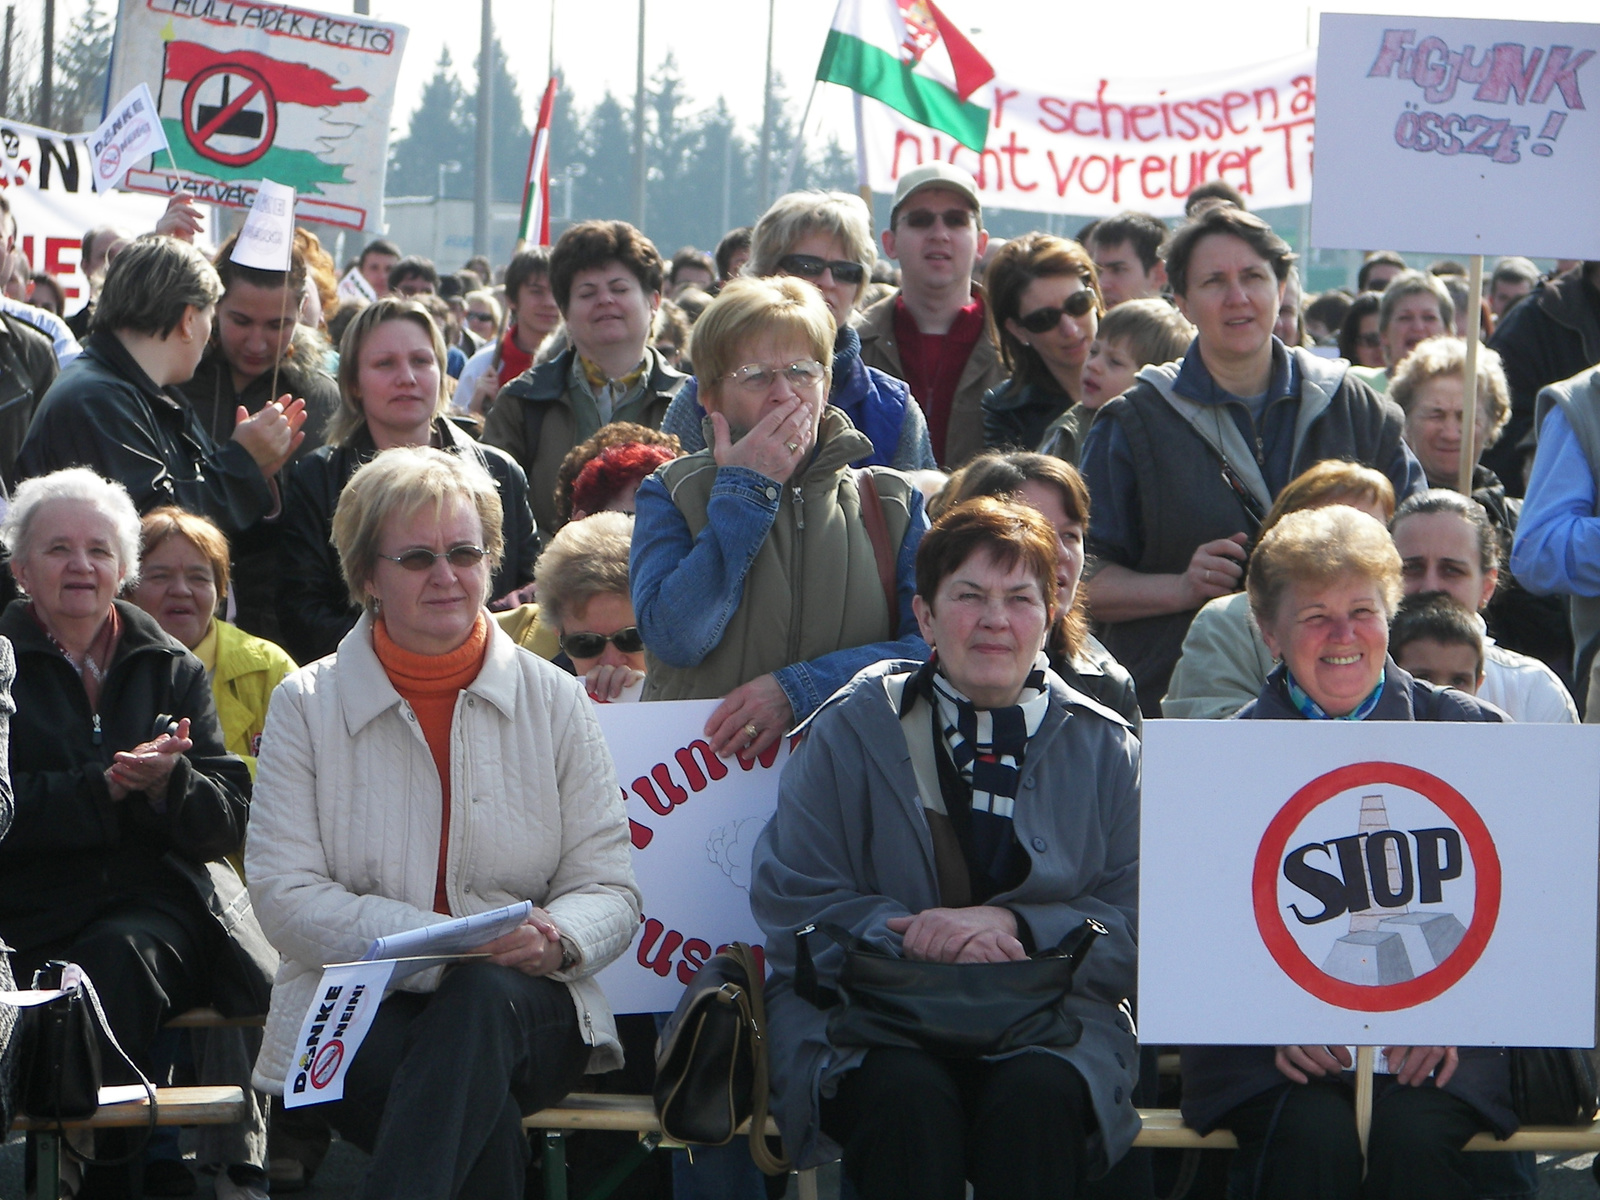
x,y
1370,340
593,645
481,316
923,218
809,266
1043,320
462,557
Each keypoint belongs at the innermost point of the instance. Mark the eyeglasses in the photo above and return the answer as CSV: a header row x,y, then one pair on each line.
x,y
486,318
809,266
757,378
1043,320
923,218
593,645
461,557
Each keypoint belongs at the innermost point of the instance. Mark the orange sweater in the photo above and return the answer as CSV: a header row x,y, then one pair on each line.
x,y
430,683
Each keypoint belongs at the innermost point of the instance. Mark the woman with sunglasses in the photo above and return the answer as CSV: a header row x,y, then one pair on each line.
x,y
429,770
583,594
392,386
825,238
1044,311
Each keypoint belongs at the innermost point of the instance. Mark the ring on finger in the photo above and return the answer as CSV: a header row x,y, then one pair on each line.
x,y
793,446
752,731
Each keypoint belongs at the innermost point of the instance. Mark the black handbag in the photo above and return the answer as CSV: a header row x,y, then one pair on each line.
x,y
59,1076
711,1060
1553,1086
955,1010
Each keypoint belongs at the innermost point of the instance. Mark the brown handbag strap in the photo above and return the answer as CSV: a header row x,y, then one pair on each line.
x,y
878,533
767,1162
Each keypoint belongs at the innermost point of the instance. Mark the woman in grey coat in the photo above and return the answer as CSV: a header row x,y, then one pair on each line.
x,y
1033,826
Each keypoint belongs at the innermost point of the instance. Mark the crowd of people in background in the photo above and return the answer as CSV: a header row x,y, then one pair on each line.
x,y
374,562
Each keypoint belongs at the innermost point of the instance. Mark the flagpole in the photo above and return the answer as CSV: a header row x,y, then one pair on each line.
x,y
862,185
799,142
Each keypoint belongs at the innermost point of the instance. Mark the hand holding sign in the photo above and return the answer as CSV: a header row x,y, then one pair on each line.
x,y
182,219
273,434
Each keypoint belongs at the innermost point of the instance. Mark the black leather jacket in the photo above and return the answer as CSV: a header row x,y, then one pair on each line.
x,y
314,609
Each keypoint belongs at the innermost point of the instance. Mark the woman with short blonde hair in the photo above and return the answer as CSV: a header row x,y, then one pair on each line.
x,y
1429,385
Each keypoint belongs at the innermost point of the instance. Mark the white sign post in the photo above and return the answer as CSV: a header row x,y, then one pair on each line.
x,y
1368,884
694,819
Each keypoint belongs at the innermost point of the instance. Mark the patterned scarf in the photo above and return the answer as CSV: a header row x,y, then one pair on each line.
x,y
1312,711
611,394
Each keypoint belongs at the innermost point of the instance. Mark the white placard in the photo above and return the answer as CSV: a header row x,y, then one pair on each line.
x,y
267,240
694,819
354,286
340,1013
1455,136
130,131
1471,850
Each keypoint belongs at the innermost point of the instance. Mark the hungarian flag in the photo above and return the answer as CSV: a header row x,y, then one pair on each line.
x,y
535,227
910,56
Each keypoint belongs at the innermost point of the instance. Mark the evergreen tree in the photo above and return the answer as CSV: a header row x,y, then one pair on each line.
x,y
606,188
510,139
83,60
440,132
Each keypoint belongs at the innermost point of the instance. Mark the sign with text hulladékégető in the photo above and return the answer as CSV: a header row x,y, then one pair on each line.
x,y
1455,136
248,89
1374,883
1096,146
693,819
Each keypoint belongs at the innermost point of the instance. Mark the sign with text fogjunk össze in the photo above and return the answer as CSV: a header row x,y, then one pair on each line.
x,y
693,819
1454,136
1368,883
248,89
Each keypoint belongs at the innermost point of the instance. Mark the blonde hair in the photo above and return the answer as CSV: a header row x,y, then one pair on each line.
x,y
750,308
1152,330
585,559
1319,546
402,481
351,418
793,216
1445,357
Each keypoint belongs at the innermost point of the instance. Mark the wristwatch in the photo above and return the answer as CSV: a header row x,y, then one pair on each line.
x,y
569,956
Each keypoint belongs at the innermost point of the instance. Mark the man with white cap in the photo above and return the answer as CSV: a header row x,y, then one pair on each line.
x,y
931,332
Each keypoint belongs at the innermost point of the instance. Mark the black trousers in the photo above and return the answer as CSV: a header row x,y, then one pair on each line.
x,y
146,965
437,1092
919,1127
1298,1142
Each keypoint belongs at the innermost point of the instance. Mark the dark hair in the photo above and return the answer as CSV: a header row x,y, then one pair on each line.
x,y
1443,500
1363,306
690,257
1010,531
618,433
591,244
156,526
1446,266
1218,190
150,284
1378,258
1140,230
413,266
231,272
1017,264
1329,308
379,246
45,279
1438,617
732,242
458,283
1247,227
526,265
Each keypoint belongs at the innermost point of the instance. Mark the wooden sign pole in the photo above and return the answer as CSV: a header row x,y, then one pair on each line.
x,y
1469,378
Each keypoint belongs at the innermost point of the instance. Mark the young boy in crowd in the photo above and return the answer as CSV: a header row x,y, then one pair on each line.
x,y
1435,639
1131,336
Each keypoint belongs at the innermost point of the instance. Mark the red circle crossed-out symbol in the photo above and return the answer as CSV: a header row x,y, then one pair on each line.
x,y
201,131
1386,997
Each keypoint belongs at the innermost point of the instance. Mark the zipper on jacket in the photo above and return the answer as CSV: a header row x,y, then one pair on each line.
x,y
95,737
799,559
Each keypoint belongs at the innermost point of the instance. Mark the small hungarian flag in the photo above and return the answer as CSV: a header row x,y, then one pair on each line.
x,y
910,56
535,228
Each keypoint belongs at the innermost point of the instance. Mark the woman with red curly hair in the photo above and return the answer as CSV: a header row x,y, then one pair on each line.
x,y
609,480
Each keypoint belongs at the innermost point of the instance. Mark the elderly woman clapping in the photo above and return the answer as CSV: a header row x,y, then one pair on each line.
x,y
429,770
1031,827
123,788
1323,585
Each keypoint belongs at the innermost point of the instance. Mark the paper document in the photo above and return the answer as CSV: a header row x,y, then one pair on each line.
x,y
337,1019
123,1093
30,997
456,936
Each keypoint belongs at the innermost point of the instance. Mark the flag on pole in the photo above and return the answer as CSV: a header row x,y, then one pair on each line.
x,y
131,131
267,240
535,228
910,56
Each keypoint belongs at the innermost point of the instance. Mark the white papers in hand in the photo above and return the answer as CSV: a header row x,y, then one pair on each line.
x,y
456,936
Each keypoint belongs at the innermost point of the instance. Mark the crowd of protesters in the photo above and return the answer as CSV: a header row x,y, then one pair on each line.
x,y
320,594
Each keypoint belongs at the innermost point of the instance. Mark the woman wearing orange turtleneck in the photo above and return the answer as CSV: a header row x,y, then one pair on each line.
x,y
431,769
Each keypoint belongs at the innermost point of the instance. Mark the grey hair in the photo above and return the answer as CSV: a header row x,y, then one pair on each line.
x,y
109,498
796,214
1415,283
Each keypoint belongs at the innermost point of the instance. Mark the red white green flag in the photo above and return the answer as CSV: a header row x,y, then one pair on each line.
x,y
909,55
535,227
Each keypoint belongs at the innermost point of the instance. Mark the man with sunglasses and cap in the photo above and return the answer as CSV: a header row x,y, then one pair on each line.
x,y
931,332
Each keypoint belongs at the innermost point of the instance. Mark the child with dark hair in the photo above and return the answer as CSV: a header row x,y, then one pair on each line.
x,y
1435,639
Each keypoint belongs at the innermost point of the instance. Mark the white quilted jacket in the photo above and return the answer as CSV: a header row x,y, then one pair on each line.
x,y
344,828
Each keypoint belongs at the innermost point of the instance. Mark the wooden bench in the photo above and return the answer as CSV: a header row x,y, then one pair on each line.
x,y
174,1106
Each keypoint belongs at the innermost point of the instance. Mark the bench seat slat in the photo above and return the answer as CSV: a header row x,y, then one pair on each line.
x,y
222,1105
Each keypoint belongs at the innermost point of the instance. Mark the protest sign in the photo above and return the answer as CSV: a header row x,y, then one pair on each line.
x,y
693,819
337,1019
1097,146
266,242
130,131
1377,883
354,286
47,176
246,90
1454,136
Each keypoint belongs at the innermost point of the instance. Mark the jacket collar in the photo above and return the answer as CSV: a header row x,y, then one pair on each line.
x,y
140,633
547,382
107,348
1273,704
1569,300
238,653
366,692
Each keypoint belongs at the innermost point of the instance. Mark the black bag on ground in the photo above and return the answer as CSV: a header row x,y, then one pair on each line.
x,y
1553,1086
711,1061
955,1010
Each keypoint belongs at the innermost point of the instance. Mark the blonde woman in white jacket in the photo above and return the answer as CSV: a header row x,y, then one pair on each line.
x,y
432,769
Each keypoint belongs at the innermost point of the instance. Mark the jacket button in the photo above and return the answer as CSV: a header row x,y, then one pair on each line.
x,y
772,493
1116,1096
1039,844
1028,783
471,703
